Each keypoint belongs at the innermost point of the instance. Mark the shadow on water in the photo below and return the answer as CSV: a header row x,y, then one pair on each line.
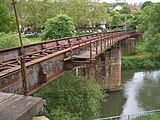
x,y
140,92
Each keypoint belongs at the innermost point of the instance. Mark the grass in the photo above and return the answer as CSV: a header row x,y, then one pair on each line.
x,y
31,39
138,55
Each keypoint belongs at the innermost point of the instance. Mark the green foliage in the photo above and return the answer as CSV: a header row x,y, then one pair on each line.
x,y
31,39
125,9
7,22
118,3
34,13
12,40
63,114
148,117
150,25
152,61
59,27
117,29
134,20
140,47
97,13
116,19
73,97
8,40
147,3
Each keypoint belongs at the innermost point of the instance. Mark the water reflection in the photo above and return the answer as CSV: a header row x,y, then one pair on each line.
x,y
140,92
131,91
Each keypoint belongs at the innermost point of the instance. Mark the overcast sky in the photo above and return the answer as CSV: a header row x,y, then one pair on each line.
x,y
134,1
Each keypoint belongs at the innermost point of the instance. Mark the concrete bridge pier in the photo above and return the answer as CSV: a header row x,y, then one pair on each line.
x,y
105,69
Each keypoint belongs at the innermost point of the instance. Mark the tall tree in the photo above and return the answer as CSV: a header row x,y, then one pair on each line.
x,y
134,20
125,9
150,25
59,27
34,13
98,13
147,3
7,21
78,11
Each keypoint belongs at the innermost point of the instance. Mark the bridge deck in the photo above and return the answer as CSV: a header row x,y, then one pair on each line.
x,y
86,54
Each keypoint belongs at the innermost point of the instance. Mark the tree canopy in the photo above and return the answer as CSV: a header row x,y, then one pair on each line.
x,y
7,21
72,97
59,27
147,3
150,25
134,20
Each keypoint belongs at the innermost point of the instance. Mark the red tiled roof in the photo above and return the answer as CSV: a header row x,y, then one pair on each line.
x,y
135,8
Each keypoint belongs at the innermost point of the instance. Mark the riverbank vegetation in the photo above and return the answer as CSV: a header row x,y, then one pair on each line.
x,y
147,54
72,97
141,61
141,58
12,40
148,117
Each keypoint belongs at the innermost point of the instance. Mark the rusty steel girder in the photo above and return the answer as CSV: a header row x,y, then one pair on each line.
x,y
46,60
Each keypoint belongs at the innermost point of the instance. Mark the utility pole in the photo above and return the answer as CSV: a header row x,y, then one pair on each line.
x,y
125,24
22,58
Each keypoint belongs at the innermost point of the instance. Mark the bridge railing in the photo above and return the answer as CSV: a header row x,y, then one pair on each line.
x,y
10,57
133,116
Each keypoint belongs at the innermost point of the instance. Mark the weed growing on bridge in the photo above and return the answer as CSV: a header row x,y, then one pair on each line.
x,y
72,97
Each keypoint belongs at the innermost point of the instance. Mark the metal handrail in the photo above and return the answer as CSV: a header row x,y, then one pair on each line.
x,y
130,116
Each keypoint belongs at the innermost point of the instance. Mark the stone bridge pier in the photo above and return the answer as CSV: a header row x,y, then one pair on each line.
x,y
105,69
128,45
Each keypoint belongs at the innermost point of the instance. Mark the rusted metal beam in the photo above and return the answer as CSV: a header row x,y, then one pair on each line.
x,y
23,67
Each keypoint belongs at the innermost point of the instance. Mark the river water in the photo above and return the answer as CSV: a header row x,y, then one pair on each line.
x,y
140,92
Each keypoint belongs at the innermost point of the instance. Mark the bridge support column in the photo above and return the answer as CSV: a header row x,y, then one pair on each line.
x,y
128,45
112,69
106,69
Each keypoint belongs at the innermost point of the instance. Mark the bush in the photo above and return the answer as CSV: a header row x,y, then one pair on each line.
x,y
59,27
75,96
8,40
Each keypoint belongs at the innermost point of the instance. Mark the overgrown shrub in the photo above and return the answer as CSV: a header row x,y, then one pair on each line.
x,y
73,97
